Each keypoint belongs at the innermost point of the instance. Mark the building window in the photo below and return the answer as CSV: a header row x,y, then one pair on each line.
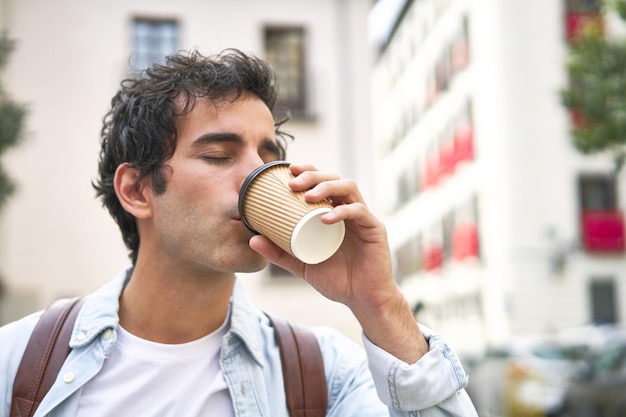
x,y
285,49
584,6
153,40
603,301
459,50
408,258
465,238
597,193
602,224
581,13
442,72
447,227
405,187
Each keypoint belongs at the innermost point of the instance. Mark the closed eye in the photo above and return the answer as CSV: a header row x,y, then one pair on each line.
x,y
210,158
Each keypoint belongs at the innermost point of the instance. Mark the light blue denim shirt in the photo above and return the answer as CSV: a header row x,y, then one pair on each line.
x,y
250,360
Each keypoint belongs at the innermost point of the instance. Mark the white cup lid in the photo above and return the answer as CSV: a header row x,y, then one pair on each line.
x,y
313,241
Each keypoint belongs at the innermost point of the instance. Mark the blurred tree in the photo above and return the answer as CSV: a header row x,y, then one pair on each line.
x,y
12,117
596,94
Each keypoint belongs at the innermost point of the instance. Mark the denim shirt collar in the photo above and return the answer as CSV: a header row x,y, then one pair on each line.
x,y
100,312
244,322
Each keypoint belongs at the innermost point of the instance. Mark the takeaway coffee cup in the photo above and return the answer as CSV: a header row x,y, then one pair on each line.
x,y
268,206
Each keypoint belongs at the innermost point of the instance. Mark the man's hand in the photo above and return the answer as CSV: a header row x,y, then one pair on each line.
x,y
359,274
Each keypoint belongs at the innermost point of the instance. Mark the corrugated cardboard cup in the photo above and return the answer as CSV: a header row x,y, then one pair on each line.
x,y
268,206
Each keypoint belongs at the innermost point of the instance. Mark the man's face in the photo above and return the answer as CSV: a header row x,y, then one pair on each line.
x,y
195,223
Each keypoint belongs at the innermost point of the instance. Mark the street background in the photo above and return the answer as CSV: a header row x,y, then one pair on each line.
x,y
507,239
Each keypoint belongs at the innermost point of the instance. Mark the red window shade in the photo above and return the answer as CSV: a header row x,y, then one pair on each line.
x,y
459,55
464,144
465,242
446,158
430,176
433,257
575,22
578,119
603,231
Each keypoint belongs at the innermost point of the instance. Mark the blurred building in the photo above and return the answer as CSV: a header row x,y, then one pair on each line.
x,y
55,238
497,224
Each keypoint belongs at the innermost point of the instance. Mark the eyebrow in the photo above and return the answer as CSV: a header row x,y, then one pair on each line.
x,y
208,138
269,145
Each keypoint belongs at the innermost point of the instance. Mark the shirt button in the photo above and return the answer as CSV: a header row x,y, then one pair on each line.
x,y
68,377
107,334
81,337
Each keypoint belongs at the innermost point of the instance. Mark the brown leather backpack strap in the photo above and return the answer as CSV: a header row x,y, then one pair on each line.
x,y
303,369
45,353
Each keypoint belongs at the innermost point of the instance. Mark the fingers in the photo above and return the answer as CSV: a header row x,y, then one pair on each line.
x,y
322,185
352,211
276,255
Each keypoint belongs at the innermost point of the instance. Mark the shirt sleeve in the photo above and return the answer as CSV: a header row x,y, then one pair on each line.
x,y
434,385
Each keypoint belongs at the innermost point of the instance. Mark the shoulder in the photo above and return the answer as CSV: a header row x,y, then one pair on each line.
x,y
333,341
341,354
351,389
14,337
344,359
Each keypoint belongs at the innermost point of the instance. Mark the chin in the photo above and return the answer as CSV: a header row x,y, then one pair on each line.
x,y
257,267
252,263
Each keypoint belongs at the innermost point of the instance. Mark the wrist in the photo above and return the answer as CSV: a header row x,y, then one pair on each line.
x,y
392,327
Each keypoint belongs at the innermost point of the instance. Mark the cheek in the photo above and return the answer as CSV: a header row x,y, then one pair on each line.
x,y
197,178
195,190
190,186
182,222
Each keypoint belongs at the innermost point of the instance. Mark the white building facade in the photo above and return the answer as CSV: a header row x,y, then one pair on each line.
x,y
497,224
55,238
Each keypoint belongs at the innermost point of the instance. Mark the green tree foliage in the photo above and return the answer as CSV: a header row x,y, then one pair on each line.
x,y
12,117
596,94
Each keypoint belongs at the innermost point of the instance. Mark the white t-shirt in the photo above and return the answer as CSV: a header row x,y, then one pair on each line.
x,y
143,378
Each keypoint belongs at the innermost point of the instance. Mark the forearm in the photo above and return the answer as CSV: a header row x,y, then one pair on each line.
x,y
392,327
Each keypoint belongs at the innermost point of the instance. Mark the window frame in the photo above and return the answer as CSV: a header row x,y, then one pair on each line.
x,y
290,66
152,46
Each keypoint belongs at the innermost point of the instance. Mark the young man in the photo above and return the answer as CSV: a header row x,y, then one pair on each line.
x,y
175,335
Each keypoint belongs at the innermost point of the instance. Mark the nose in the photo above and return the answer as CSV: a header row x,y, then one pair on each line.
x,y
247,166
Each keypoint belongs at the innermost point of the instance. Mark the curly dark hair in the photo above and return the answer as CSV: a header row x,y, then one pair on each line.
x,y
140,127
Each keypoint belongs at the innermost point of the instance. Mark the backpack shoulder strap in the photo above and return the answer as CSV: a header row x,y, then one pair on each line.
x,y
45,353
48,347
303,369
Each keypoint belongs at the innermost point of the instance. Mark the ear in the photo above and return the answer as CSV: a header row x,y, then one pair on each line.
x,y
134,197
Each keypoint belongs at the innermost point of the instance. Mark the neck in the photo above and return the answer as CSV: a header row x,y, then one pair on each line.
x,y
174,308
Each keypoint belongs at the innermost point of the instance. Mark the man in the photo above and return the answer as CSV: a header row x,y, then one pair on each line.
x,y
175,335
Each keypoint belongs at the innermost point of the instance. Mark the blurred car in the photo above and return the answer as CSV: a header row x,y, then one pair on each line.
x,y
598,387
529,376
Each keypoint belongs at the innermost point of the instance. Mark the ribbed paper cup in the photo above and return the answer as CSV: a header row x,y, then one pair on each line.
x,y
269,207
